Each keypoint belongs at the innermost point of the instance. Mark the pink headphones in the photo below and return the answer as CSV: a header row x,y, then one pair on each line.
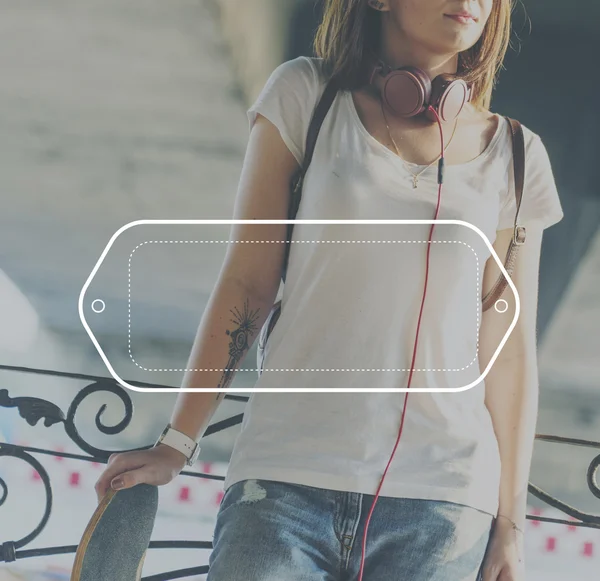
x,y
408,91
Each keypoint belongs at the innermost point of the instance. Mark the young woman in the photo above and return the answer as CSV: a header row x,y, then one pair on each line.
x,y
305,470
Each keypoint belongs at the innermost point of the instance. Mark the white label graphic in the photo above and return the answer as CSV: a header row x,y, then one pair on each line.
x,y
137,289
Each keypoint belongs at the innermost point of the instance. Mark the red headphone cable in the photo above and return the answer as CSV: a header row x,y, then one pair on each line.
x,y
414,355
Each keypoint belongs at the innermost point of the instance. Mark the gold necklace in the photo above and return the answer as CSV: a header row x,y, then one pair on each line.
x,y
415,177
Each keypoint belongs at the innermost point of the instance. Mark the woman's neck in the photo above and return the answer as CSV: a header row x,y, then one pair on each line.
x,y
397,52
431,67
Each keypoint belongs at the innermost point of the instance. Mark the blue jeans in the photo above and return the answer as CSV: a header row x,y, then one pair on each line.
x,y
272,531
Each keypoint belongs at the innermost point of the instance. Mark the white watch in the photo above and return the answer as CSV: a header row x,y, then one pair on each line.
x,y
179,441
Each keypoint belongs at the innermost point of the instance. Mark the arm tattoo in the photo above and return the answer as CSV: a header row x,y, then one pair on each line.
x,y
245,326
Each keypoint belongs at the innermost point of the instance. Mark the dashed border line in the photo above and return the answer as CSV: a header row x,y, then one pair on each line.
x,y
293,242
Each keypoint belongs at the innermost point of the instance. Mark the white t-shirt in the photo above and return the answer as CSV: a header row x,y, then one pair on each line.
x,y
350,308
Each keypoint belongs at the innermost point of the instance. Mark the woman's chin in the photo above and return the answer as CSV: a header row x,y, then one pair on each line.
x,y
455,44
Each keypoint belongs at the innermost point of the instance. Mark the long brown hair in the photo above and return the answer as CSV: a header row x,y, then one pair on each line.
x,y
350,29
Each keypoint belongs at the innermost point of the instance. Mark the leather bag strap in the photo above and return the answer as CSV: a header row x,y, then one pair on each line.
x,y
319,114
519,233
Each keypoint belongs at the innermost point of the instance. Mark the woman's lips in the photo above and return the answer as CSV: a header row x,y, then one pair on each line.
x,y
462,18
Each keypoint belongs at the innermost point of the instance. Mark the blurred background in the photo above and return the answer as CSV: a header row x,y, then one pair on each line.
x,y
119,110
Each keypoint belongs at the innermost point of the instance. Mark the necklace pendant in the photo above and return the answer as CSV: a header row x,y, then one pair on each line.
x,y
415,182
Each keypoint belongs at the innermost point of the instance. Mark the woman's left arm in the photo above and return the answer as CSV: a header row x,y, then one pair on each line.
x,y
511,396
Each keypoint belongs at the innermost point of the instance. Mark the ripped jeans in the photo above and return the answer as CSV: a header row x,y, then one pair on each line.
x,y
273,531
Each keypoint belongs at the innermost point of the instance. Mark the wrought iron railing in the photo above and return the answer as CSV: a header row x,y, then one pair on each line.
x,y
33,410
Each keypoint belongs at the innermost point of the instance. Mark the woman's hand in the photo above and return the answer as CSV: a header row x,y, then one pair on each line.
x,y
157,466
504,560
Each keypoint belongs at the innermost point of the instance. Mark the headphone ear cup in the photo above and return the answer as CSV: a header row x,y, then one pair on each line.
x,y
407,91
448,97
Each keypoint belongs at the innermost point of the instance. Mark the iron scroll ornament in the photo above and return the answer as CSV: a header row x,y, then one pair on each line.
x,y
9,548
33,410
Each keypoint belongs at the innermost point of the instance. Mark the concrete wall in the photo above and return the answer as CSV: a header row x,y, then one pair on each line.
x,y
256,32
582,16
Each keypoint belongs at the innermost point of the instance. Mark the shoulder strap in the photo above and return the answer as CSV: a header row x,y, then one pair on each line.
x,y
519,233
320,112
318,117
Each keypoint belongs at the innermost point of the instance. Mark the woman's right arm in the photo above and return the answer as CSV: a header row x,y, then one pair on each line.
x,y
237,309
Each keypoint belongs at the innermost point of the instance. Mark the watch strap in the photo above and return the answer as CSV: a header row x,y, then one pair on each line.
x,y
181,442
